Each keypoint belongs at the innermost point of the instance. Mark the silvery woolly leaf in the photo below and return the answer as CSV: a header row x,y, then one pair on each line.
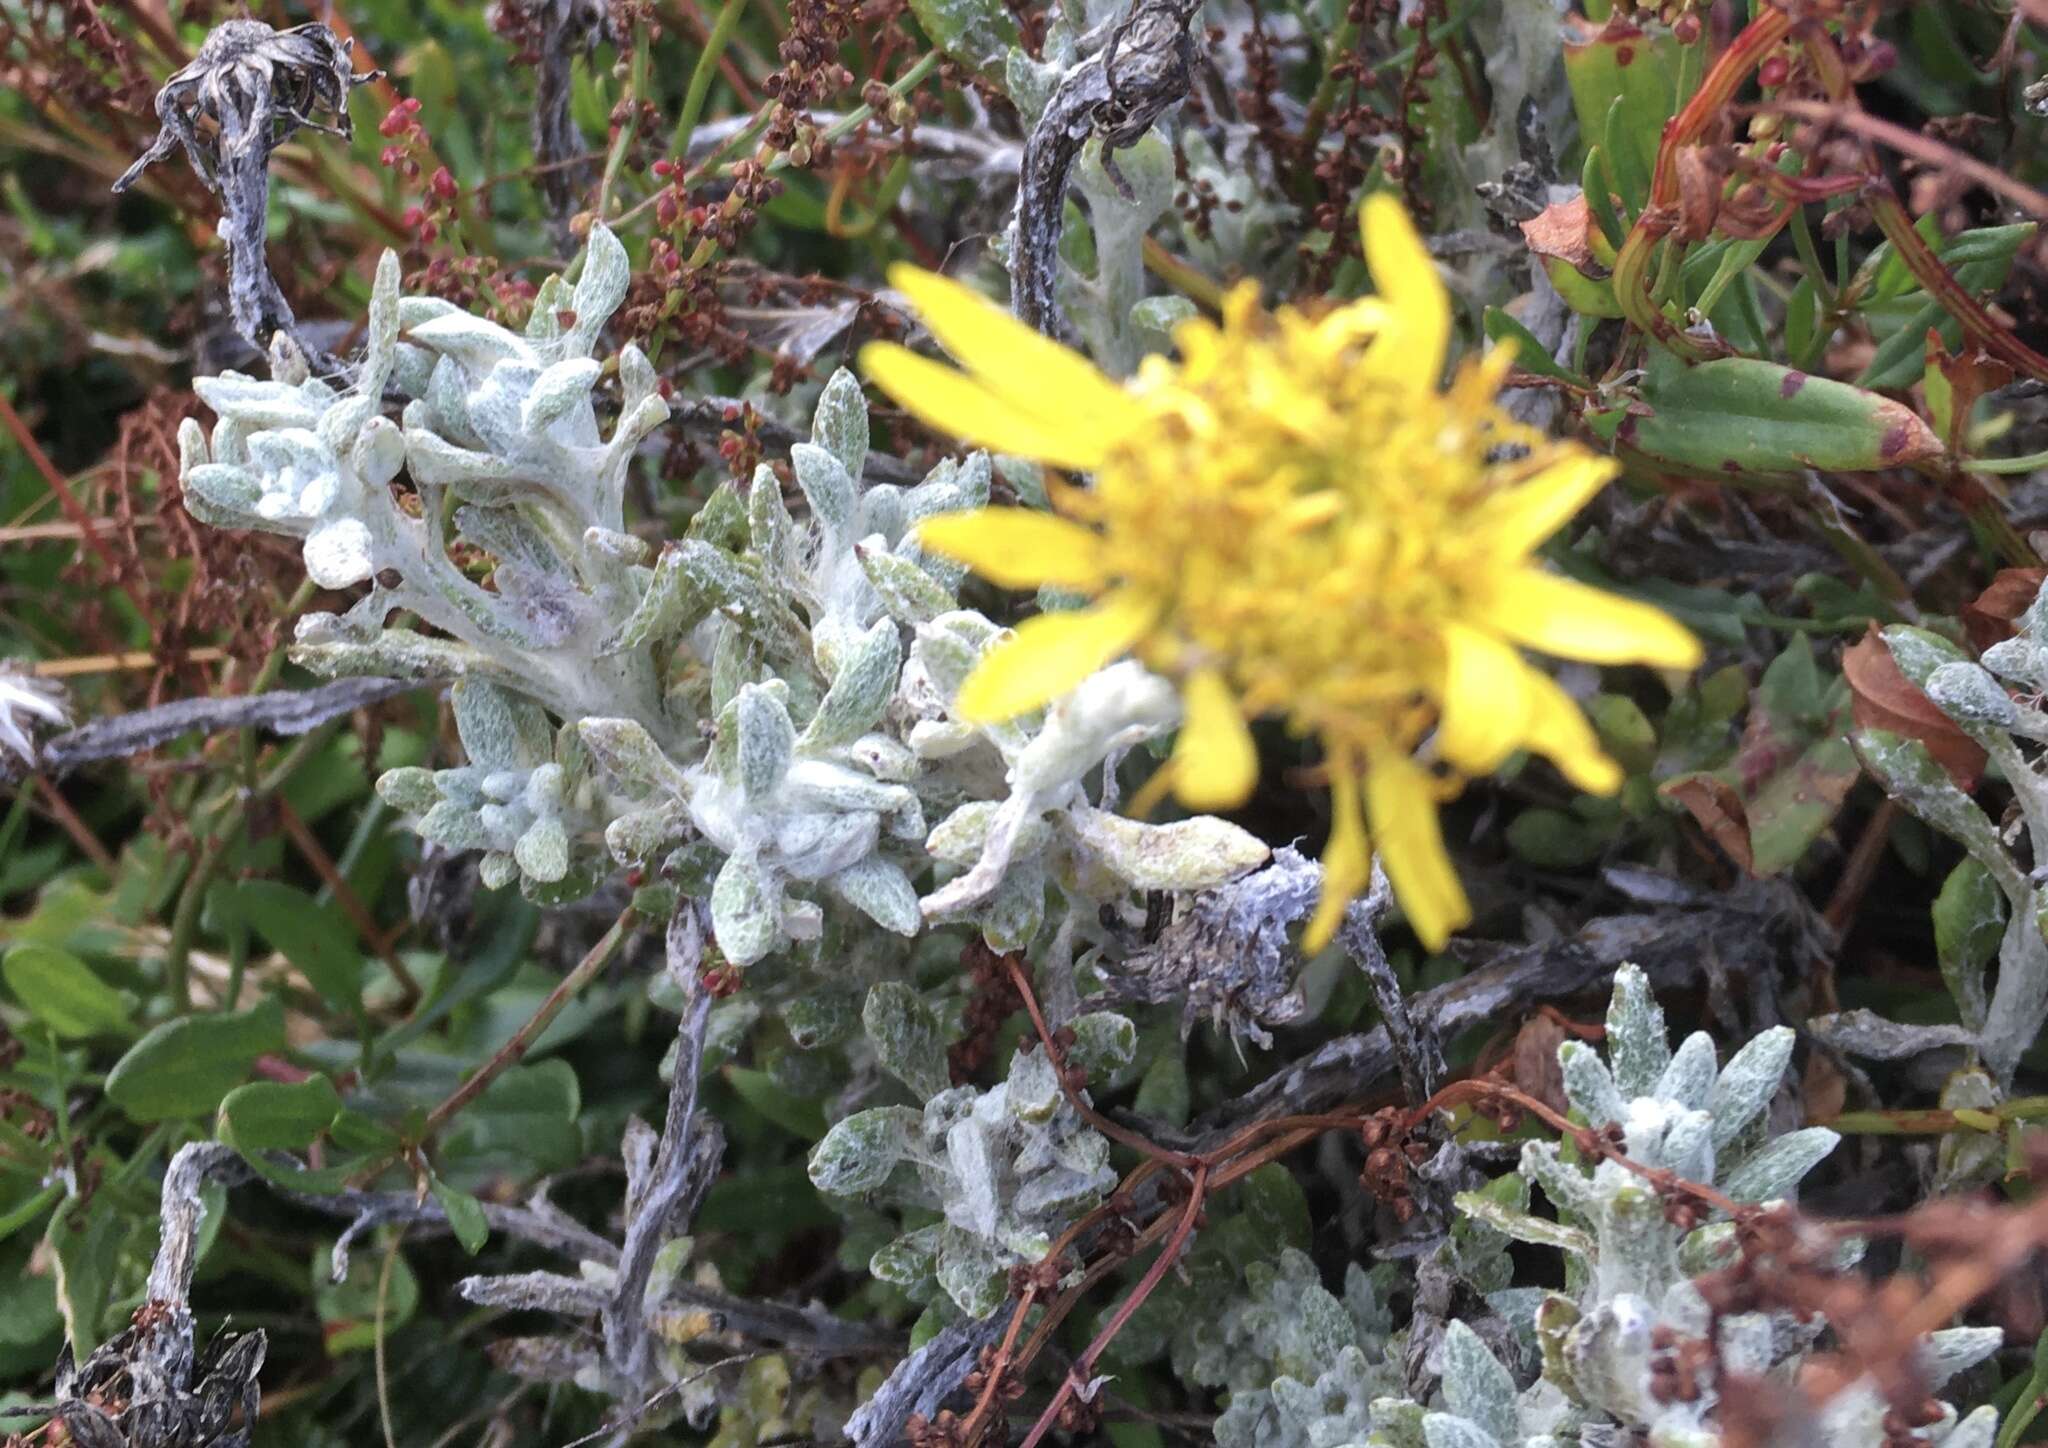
x,y
409,789
555,392
447,823
1194,854
1111,709
1566,1186
1590,1085
255,404
1747,1083
338,553
498,729
767,742
542,852
378,452
660,611
907,1036
629,754
769,525
812,846
1638,1246
637,835
909,1260
1034,1087
1979,1430
840,423
882,892
860,1151
1689,1079
478,344
826,486
1013,916
637,378
1779,1165
1968,694
959,838
606,273
226,491
1689,1146
909,594
861,691
1637,1048
970,1274
1442,1430
971,1153
1104,1043
1524,1226
380,329
497,870
746,910
2020,660
1476,1386
1952,1350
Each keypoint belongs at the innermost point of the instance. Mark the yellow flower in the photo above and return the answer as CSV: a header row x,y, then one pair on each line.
x,y
1292,520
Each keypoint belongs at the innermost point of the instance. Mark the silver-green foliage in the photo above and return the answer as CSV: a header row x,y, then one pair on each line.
x,y
1628,1267
763,703
1006,1169
1992,906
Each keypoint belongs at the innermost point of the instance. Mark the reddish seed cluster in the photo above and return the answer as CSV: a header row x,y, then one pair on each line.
x,y
401,126
1390,1158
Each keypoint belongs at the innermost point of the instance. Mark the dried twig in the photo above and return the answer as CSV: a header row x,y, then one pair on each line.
x,y
281,711
1117,93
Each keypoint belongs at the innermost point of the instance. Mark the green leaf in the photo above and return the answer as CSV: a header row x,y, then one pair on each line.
x,y
317,941
183,1068
277,1115
529,1113
1624,85
348,1309
84,1239
61,991
978,33
465,1215
1790,774
1969,922
1738,416
907,1036
1530,354
801,1118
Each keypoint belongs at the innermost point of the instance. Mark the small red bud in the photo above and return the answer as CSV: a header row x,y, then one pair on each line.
x,y
443,184
1774,72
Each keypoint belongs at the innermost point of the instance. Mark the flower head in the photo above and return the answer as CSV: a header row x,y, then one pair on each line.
x,y
1292,520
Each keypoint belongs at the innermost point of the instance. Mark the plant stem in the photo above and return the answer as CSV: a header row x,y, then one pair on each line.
x,y
700,78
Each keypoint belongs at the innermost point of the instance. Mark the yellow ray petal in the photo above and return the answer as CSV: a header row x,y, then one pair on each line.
x,y
1521,518
1050,654
1417,332
1214,761
1404,821
1560,731
1573,621
1032,371
959,406
1486,699
1017,547
1347,858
